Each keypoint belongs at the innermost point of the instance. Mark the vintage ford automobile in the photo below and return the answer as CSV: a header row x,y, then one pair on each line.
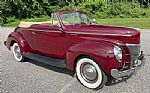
x,y
71,41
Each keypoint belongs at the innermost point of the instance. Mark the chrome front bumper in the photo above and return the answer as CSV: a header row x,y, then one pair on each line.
x,y
119,74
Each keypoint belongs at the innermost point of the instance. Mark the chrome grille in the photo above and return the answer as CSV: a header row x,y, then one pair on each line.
x,y
134,51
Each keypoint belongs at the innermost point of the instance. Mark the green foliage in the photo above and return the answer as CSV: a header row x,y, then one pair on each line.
x,y
36,19
103,9
11,19
54,8
13,10
19,9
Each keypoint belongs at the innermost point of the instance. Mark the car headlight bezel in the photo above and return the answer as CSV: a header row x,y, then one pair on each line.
x,y
118,53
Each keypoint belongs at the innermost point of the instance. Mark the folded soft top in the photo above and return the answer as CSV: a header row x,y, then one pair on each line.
x,y
28,24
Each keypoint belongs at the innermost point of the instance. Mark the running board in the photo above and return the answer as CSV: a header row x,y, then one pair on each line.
x,y
50,61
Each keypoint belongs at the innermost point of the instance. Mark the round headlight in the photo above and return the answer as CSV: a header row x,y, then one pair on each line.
x,y
118,53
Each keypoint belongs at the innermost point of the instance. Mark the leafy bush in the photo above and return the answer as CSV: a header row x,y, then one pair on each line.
x,y
103,9
11,19
11,10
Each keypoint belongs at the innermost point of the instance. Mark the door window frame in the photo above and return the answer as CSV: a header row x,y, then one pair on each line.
x,y
52,20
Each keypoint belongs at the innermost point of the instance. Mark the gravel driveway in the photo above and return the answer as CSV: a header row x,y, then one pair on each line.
x,y
35,77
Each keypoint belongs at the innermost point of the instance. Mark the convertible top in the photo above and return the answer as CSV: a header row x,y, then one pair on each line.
x,y
28,24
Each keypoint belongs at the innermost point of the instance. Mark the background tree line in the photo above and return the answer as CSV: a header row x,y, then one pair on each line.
x,y
21,9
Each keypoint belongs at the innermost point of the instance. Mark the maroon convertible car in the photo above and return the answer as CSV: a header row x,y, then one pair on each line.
x,y
70,40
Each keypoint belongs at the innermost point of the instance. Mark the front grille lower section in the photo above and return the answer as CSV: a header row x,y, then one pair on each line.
x,y
134,50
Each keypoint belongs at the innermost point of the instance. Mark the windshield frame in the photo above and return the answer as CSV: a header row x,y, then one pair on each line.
x,y
79,12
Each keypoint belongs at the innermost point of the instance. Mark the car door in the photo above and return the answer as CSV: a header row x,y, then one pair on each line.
x,y
48,42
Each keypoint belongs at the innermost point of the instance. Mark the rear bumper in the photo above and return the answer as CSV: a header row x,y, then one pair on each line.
x,y
140,62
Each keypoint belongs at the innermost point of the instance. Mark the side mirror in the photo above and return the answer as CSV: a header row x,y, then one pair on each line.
x,y
93,21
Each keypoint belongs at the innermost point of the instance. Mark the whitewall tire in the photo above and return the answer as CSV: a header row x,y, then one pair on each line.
x,y
89,73
17,52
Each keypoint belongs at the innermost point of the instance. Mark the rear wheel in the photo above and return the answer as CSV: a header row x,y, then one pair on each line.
x,y
17,53
89,73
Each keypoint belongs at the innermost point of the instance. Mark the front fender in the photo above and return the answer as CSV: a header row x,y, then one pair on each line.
x,y
100,51
18,38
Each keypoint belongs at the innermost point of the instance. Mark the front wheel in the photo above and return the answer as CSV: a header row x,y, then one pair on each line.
x,y
17,53
89,73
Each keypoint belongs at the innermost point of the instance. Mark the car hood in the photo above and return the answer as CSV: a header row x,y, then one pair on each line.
x,y
104,30
124,34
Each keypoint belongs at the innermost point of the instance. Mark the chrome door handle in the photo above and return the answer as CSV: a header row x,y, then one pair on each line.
x,y
33,33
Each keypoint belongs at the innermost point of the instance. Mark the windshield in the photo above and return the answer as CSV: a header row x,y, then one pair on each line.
x,y
72,18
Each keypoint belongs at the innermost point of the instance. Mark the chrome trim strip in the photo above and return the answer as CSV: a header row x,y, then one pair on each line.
x,y
133,44
97,34
37,30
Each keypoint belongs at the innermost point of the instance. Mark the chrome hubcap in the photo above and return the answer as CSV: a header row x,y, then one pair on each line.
x,y
17,52
89,72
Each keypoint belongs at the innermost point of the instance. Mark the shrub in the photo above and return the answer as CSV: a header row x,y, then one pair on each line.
x,y
10,10
11,19
103,9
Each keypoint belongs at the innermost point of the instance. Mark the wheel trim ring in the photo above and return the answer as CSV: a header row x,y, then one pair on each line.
x,y
20,58
85,75
100,75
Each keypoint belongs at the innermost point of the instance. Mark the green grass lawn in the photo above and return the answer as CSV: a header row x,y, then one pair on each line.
x,y
130,22
143,23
